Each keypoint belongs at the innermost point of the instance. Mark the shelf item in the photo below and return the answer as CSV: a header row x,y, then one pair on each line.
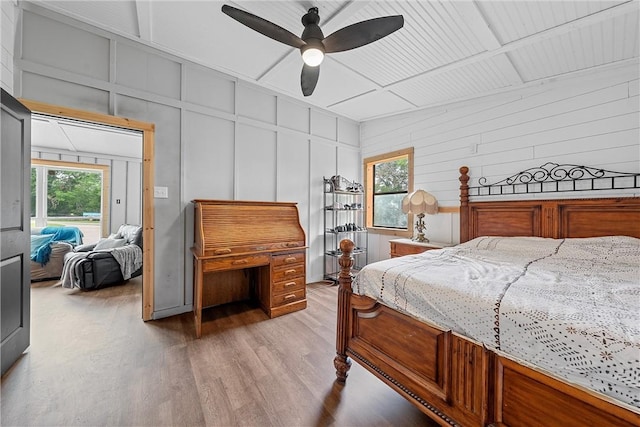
x,y
343,219
334,276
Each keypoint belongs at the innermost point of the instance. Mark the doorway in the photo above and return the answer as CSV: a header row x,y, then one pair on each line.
x,y
148,133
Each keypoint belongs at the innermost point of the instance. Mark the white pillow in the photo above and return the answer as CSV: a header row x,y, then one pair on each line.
x,y
109,244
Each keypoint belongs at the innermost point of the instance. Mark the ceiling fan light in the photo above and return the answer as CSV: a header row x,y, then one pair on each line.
x,y
312,56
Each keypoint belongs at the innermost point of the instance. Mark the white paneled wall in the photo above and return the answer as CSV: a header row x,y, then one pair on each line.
x,y
590,120
216,137
255,163
324,164
208,143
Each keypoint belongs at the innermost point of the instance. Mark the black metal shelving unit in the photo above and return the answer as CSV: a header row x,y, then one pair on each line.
x,y
343,219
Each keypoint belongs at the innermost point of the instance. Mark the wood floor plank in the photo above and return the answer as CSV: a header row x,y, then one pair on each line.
x,y
93,362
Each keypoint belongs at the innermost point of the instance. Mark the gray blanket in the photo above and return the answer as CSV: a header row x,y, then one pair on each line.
x,y
130,259
69,279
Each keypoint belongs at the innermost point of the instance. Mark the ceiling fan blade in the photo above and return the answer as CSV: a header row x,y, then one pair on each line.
x,y
362,33
264,27
309,79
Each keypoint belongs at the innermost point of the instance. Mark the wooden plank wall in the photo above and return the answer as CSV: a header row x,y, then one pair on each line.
x,y
8,18
589,119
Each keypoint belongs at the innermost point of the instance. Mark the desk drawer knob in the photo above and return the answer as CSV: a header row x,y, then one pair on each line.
x,y
291,245
290,259
289,284
289,296
239,261
222,251
288,272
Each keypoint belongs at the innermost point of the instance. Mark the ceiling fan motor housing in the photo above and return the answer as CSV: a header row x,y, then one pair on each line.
x,y
312,36
310,20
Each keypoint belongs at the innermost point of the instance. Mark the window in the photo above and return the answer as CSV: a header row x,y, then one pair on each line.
x,y
64,193
389,177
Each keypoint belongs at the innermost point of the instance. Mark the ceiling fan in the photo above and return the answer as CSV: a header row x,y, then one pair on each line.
x,y
313,44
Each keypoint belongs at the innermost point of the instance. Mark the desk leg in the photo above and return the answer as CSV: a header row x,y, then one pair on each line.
x,y
197,301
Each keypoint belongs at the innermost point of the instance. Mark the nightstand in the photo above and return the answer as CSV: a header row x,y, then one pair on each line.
x,y
400,247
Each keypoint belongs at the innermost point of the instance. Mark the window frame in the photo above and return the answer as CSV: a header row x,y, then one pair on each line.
x,y
105,170
368,167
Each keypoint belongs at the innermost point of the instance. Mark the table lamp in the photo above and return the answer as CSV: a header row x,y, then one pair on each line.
x,y
420,203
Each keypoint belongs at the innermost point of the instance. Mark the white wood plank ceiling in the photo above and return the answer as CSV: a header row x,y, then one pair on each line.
x,y
447,51
53,134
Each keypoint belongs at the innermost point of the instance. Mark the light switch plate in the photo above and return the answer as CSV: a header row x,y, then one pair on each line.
x,y
161,192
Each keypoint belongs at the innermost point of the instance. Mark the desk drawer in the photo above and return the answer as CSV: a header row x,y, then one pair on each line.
x,y
231,263
287,297
288,259
288,272
288,285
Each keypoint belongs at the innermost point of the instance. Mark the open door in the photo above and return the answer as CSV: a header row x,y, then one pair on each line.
x,y
15,174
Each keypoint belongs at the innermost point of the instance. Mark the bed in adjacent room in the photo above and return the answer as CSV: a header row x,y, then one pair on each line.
x,y
533,320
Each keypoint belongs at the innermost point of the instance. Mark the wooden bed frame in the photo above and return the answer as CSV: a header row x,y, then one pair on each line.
x,y
456,381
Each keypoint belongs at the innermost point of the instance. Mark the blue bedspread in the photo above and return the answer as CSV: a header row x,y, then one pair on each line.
x,y
42,250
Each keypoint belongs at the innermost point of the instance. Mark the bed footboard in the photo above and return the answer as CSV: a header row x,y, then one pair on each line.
x,y
444,375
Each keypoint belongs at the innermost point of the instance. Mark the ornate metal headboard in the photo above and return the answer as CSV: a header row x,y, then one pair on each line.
x,y
554,178
557,218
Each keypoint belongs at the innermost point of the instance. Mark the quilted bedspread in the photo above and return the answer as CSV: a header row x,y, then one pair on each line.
x,y
568,306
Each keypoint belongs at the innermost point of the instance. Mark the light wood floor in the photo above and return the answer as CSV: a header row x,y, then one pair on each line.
x,y
94,362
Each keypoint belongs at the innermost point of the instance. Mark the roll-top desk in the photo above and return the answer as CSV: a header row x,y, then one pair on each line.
x,y
247,249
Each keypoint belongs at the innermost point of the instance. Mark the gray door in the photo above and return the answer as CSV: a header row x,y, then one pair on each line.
x,y
15,243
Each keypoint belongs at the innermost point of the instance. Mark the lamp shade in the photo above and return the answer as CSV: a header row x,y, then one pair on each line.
x,y
419,202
